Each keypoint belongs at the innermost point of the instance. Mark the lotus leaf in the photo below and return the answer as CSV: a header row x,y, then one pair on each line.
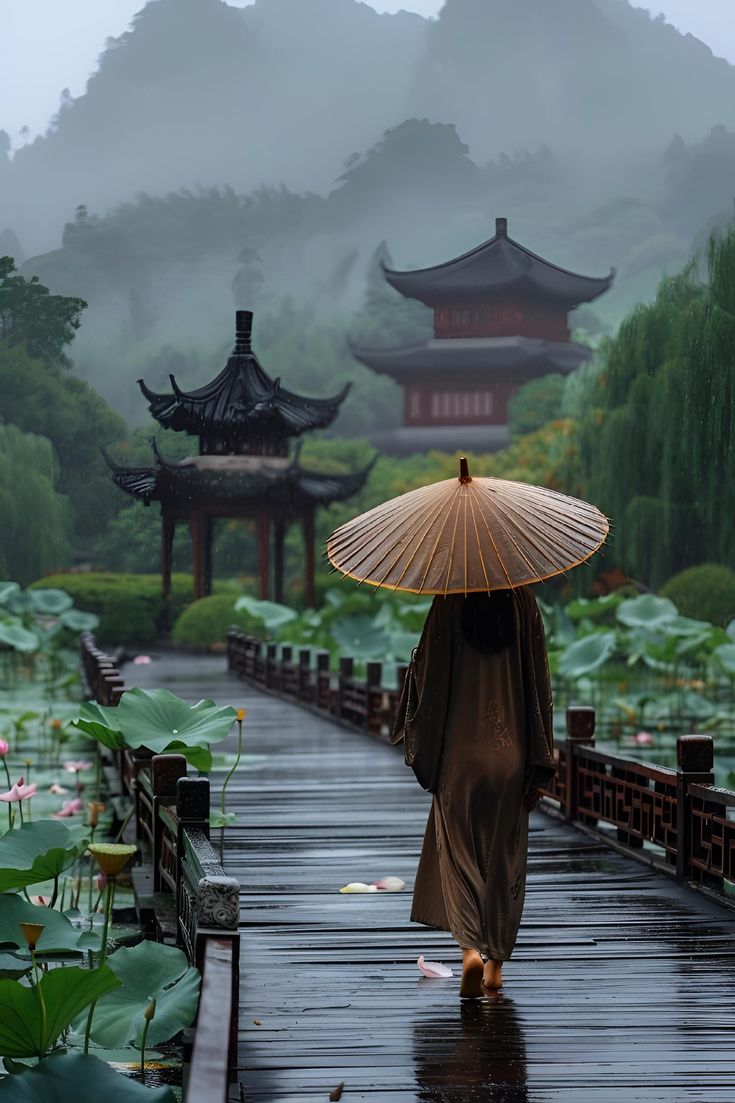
x,y
51,602
13,966
7,589
147,971
270,613
77,621
13,634
586,655
602,608
83,1079
66,993
19,602
725,657
647,611
356,635
37,852
59,934
161,721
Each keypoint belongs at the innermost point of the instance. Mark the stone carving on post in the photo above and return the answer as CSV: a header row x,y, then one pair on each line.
x,y
218,903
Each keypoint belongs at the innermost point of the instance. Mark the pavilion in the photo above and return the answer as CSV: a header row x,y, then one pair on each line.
x,y
500,320
244,421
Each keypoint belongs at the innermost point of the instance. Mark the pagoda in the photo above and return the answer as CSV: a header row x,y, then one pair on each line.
x,y
501,318
244,421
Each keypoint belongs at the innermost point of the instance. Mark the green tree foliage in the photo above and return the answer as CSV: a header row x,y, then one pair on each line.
x,y
34,318
656,440
387,317
34,525
705,592
48,401
536,403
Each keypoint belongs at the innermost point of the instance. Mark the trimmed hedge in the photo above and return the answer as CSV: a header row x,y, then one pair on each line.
x,y
130,606
706,592
205,622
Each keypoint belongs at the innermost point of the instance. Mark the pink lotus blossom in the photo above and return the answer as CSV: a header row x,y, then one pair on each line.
x,y
643,739
101,880
4,747
20,791
433,968
41,901
57,790
142,660
69,808
77,767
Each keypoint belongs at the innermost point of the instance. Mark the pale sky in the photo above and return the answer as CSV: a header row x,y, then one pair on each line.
x,y
48,45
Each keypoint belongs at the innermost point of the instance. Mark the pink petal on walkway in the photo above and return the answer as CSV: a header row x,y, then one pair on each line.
x,y
433,968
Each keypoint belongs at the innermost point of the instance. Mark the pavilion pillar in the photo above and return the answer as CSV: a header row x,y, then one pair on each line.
x,y
264,556
309,559
207,540
168,528
279,535
196,527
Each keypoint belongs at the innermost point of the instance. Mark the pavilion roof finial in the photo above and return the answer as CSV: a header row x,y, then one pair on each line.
x,y
501,227
243,331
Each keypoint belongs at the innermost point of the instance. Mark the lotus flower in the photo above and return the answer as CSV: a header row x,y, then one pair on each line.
x,y
358,886
40,901
433,969
4,747
19,791
57,790
390,884
142,660
643,739
69,808
77,767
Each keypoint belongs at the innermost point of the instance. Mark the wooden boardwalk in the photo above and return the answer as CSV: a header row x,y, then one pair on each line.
x,y
621,989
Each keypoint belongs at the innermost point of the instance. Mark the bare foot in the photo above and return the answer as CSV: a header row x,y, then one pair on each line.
x,y
492,978
471,986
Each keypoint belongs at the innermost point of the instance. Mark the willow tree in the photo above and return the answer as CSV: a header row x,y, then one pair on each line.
x,y
656,440
35,530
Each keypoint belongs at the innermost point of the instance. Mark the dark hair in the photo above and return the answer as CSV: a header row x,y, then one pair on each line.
x,y
488,620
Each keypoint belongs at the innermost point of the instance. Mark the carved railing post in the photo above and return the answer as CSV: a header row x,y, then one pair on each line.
x,y
374,695
323,681
344,682
166,771
580,732
695,761
305,674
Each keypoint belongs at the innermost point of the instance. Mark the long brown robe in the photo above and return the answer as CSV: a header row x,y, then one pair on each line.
x,y
492,713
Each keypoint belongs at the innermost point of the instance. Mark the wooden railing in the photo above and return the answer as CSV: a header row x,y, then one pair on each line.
x,y
183,894
674,819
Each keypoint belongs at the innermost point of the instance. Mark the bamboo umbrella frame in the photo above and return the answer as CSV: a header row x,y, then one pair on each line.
x,y
468,535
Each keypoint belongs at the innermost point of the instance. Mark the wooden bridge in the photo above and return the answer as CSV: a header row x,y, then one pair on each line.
x,y
622,987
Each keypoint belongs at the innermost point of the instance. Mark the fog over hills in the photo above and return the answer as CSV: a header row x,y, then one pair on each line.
x,y
258,157
199,94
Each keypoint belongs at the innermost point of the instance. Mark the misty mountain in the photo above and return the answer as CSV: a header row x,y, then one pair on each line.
x,y
285,92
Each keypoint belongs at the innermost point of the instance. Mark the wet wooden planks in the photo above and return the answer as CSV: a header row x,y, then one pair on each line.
x,y
622,987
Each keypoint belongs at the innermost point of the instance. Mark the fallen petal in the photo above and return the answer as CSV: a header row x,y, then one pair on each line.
x,y
358,886
433,968
390,884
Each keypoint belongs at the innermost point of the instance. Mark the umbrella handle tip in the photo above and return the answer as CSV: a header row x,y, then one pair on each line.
x,y
464,470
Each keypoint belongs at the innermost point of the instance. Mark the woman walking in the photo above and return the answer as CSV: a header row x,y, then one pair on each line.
x,y
480,711
475,712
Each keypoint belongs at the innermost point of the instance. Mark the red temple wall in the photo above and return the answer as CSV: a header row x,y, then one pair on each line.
x,y
502,319
472,404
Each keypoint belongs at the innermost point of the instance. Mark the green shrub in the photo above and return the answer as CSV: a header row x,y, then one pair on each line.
x,y
206,621
131,607
706,592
